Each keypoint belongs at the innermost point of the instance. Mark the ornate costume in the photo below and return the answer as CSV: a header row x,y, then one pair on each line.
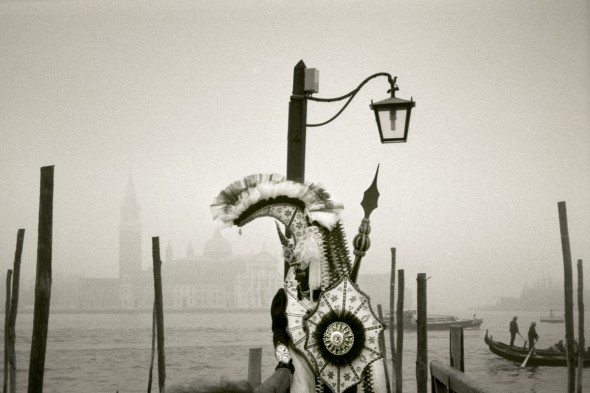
x,y
324,329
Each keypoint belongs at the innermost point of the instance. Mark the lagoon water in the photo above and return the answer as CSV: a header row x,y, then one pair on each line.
x,y
111,352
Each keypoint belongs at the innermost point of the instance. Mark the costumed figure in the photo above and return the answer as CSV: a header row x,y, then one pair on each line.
x,y
324,329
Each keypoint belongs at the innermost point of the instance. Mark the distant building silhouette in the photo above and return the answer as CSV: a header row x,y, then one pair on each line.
x,y
212,279
215,279
543,295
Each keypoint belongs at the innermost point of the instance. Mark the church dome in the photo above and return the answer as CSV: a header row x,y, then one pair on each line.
x,y
217,247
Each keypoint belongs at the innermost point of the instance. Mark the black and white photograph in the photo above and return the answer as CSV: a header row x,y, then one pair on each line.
x,y
378,196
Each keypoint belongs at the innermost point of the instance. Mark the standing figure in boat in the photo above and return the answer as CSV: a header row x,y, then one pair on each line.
x,y
533,336
513,330
324,329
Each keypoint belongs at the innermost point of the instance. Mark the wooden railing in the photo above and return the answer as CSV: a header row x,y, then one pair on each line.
x,y
446,379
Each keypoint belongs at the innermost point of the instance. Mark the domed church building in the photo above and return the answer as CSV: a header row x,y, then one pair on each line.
x,y
219,279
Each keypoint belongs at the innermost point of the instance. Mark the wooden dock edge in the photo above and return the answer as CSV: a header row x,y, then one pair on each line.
x,y
448,379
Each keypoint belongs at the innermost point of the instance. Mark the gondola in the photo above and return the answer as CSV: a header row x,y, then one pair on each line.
x,y
540,357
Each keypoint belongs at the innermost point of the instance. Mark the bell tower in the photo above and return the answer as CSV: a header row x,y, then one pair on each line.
x,y
130,235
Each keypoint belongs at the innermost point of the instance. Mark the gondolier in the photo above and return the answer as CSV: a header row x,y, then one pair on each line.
x,y
533,336
513,330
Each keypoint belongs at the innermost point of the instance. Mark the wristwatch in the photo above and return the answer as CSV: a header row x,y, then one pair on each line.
x,y
282,353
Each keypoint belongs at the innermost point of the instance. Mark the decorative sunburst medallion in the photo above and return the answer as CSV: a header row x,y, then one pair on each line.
x,y
338,338
342,335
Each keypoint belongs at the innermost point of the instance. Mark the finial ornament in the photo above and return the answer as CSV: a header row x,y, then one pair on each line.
x,y
361,241
371,196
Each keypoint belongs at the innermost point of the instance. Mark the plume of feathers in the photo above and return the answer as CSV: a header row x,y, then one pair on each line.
x,y
262,189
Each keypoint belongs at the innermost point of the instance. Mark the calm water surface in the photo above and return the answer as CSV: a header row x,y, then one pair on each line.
x,y
110,352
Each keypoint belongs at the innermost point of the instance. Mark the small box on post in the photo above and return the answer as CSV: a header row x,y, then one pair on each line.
x,y
312,80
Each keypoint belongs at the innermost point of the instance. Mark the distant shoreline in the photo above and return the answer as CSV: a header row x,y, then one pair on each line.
x,y
147,311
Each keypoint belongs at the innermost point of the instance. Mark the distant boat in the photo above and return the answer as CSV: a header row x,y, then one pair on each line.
x,y
438,322
541,357
552,318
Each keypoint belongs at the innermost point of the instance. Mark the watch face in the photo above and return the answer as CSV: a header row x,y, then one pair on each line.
x,y
282,353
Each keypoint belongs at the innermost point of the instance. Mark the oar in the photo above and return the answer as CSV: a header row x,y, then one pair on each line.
x,y
527,356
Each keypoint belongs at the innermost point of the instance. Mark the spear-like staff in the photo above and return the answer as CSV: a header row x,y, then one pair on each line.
x,y
361,241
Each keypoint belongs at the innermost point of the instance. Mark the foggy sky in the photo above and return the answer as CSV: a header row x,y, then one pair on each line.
x,y
188,96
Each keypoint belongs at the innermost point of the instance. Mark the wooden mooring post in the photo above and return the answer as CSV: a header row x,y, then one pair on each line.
x,y
568,297
400,332
581,338
383,349
42,283
392,316
6,313
159,305
422,347
11,333
452,378
153,352
255,367
456,349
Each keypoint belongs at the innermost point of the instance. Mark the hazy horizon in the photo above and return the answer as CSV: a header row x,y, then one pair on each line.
x,y
188,96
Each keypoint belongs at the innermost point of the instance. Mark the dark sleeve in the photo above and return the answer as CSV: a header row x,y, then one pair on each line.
x,y
279,318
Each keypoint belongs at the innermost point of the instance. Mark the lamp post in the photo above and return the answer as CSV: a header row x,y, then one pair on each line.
x,y
392,116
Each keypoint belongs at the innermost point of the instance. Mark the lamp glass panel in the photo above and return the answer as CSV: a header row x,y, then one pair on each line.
x,y
393,123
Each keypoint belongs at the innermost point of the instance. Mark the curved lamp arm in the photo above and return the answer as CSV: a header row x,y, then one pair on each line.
x,y
352,94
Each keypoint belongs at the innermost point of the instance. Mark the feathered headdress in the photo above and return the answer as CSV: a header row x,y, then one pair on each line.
x,y
306,210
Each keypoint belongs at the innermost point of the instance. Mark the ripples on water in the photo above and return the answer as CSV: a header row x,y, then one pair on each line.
x,y
98,353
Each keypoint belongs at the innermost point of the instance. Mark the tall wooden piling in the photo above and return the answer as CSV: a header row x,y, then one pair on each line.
x,y
383,349
400,331
6,313
456,349
422,348
581,338
568,297
392,315
20,238
151,371
159,313
42,283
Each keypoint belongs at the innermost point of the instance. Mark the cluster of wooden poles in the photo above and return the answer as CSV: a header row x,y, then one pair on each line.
x,y
42,295
573,384
43,282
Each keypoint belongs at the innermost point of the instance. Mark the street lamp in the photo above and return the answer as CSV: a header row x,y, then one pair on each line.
x,y
392,116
